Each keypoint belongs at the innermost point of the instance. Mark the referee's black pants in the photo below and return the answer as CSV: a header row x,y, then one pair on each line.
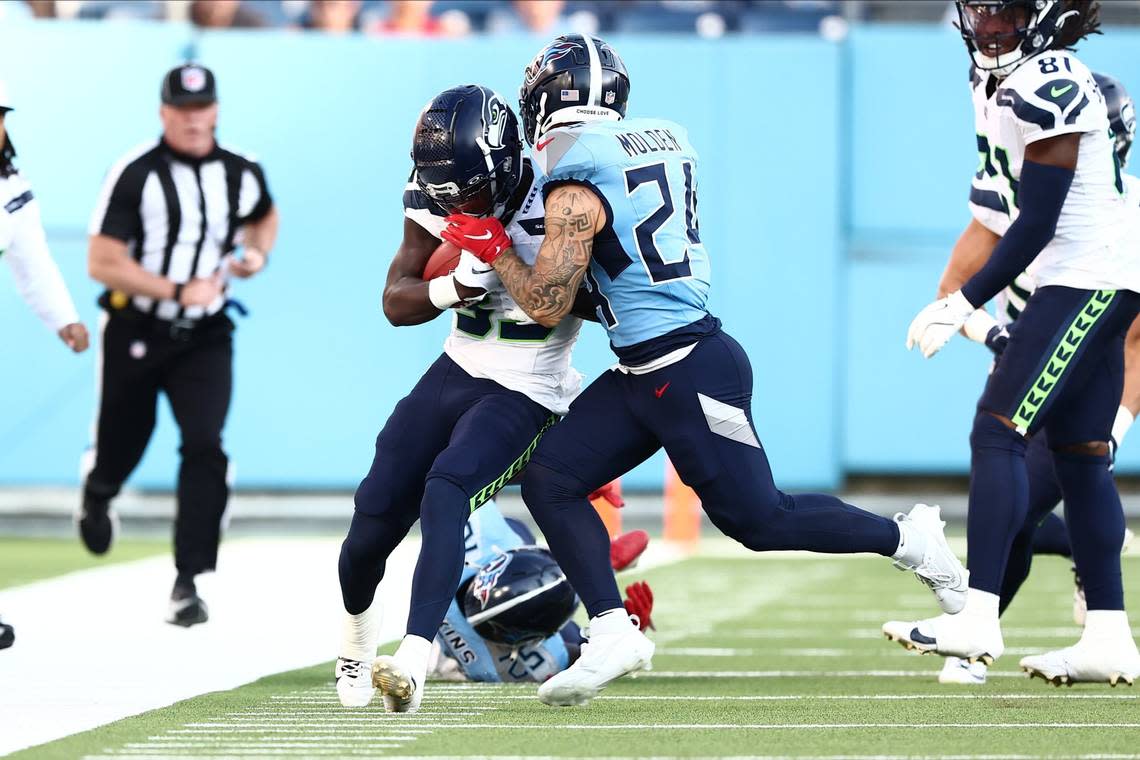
x,y
194,368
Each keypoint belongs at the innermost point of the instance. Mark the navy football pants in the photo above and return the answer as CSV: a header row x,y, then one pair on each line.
x,y
1062,373
700,410
448,447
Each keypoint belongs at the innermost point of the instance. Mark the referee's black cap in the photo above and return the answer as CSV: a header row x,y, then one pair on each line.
x,y
189,84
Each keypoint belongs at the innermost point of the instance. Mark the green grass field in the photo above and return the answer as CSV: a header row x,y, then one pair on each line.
x,y
23,560
773,657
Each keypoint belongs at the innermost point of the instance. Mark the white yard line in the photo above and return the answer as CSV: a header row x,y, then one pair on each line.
x,y
931,674
93,647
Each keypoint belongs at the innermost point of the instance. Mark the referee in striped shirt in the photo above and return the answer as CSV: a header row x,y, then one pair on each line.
x,y
169,216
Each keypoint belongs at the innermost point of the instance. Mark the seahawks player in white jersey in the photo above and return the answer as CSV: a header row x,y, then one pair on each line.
x,y
471,422
1053,193
24,246
1044,532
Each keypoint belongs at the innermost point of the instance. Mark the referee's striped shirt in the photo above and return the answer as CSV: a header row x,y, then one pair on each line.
x,y
178,215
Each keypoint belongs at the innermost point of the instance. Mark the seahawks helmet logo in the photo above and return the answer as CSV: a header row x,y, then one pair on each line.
x,y
494,121
486,579
553,52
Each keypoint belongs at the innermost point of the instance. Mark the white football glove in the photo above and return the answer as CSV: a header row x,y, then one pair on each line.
x,y
935,325
473,273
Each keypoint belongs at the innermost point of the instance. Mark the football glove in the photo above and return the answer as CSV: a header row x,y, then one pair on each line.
x,y
935,325
639,603
473,273
610,492
484,237
626,548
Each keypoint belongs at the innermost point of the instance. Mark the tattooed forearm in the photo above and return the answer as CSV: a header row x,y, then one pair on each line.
x,y
546,291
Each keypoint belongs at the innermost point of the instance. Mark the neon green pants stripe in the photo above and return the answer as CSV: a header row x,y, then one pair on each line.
x,y
1039,392
484,494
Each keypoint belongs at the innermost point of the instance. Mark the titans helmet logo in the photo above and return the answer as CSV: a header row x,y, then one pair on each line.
x,y
487,577
546,56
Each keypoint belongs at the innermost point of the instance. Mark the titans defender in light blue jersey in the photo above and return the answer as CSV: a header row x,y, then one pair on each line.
x,y
621,216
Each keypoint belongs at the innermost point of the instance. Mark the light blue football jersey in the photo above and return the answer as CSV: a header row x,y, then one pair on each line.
x,y
486,536
649,273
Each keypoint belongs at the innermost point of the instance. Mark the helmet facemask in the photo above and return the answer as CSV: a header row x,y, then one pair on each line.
x,y
1002,34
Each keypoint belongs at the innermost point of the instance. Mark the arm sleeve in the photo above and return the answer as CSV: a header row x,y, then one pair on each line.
x,y
1042,195
116,213
254,200
37,277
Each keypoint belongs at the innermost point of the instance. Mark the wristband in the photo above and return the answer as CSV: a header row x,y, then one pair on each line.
x,y
442,292
978,326
1120,425
178,286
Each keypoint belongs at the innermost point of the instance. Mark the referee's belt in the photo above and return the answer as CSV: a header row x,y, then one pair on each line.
x,y
176,329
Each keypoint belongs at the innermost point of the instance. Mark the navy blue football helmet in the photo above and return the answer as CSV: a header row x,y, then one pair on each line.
x,y
520,596
466,150
1001,34
576,78
1121,115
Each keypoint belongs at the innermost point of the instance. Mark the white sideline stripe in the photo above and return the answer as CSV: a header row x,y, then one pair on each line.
x,y
980,696
118,679
778,652
727,726
717,757
931,674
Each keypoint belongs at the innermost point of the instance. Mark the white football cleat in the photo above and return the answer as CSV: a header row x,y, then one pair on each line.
x,y
397,685
959,671
969,638
1082,664
605,658
939,568
353,682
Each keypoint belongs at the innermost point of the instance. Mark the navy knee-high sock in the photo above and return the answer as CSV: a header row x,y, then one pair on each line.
x,y
443,513
363,554
1038,534
999,500
1052,536
1096,526
575,534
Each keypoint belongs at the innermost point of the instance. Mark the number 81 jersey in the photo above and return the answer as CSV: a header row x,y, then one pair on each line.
x,y
1052,94
649,271
494,339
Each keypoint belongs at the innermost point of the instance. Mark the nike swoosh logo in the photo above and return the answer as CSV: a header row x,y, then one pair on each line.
x,y
1054,92
485,236
543,143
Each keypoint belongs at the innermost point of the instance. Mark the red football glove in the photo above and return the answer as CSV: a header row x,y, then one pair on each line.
x,y
610,493
639,601
626,548
484,237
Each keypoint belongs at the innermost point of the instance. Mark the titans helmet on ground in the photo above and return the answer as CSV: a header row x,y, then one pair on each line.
x,y
1001,34
575,78
519,596
1121,115
466,150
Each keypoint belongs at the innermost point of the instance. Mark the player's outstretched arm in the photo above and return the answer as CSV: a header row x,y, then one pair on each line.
x,y
407,300
546,291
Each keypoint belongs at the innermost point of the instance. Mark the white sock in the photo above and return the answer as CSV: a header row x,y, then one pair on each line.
x,y
912,546
359,634
414,653
610,621
1107,627
981,605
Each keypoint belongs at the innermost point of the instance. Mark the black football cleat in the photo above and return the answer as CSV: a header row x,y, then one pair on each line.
x,y
7,635
186,607
97,523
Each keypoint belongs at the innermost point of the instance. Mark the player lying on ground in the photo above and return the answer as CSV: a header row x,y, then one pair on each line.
x,y
621,216
510,620
1056,198
1044,532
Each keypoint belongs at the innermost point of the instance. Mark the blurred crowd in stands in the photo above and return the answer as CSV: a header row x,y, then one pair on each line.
x,y
456,18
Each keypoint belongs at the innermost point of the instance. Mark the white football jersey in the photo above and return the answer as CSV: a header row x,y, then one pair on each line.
x,y
1051,94
493,339
1011,301
24,246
